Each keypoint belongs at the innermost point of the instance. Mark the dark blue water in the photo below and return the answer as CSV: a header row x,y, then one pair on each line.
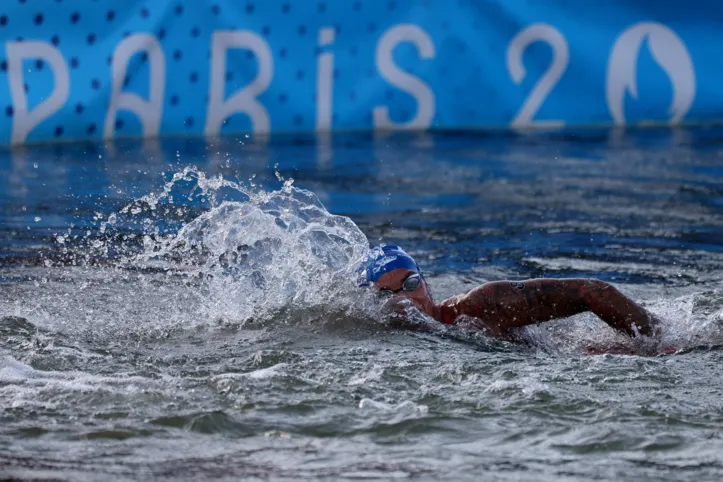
x,y
203,328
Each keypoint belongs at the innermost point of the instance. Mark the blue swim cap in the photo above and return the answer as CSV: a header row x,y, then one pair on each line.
x,y
383,259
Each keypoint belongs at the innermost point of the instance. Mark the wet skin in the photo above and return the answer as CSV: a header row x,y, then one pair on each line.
x,y
503,305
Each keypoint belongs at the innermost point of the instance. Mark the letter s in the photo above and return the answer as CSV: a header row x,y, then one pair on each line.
x,y
405,81
669,52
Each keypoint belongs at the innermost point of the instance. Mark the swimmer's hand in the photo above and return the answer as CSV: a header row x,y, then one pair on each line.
x,y
403,314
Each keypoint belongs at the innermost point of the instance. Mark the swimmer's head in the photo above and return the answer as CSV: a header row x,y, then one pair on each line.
x,y
383,259
392,271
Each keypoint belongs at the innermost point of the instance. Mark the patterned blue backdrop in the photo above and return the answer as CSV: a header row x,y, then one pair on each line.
x,y
82,69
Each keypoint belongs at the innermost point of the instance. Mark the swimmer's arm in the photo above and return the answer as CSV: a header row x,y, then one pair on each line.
x,y
503,305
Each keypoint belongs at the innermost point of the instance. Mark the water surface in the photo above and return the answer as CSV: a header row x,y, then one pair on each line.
x,y
187,310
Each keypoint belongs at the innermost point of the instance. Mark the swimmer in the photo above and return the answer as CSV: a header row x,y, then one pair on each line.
x,y
497,308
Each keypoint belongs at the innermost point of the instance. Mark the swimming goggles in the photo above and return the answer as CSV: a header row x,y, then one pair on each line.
x,y
410,283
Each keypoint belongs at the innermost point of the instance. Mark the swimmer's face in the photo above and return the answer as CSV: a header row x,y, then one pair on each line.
x,y
394,281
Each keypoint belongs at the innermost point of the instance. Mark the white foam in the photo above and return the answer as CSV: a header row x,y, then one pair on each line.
x,y
239,261
405,408
528,386
374,373
14,372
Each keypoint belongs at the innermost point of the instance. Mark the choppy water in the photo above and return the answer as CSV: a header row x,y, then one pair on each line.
x,y
207,325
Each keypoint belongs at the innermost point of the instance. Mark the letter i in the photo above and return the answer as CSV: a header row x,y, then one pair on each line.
x,y
324,80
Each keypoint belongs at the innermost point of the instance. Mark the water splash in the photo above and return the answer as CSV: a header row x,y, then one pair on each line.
x,y
274,251
207,251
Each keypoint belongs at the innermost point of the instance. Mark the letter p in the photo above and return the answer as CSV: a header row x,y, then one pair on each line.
x,y
24,120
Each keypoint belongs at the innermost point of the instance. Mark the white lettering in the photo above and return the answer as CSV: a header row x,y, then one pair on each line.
x,y
669,52
243,101
25,121
403,80
149,112
538,32
324,81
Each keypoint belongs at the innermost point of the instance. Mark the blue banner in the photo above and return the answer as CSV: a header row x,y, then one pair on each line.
x,y
80,69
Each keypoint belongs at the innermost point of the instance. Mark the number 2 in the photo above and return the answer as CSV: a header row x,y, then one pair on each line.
x,y
561,56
